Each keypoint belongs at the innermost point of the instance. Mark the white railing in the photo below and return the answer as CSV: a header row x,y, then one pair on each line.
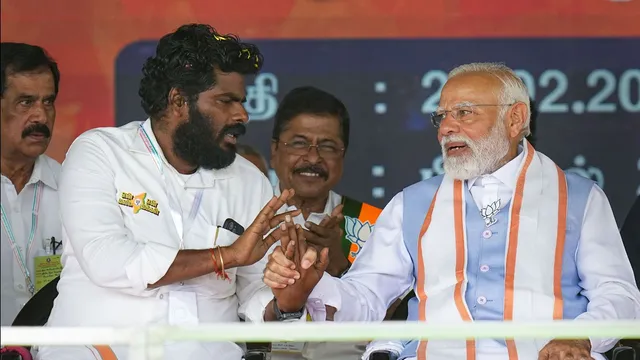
x,y
146,343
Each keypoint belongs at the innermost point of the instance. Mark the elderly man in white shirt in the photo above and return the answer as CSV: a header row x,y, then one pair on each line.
x,y
503,235
30,220
154,212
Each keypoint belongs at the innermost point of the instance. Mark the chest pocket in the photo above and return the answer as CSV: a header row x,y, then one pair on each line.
x,y
225,237
209,236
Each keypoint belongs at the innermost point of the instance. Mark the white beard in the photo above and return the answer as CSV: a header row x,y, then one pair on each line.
x,y
486,153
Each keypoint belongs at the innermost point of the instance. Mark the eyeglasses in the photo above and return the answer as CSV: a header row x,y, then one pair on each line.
x,y
301,147
462,113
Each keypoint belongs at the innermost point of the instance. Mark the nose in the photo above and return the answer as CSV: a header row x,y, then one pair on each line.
x,y
240,114
448,126
38,113
313,156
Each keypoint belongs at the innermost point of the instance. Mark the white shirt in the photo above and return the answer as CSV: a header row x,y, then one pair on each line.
x,y
374,281
18,208
333,200
498,185
112,253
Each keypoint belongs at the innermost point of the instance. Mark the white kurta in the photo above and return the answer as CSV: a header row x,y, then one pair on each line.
x,y
19,212
122,231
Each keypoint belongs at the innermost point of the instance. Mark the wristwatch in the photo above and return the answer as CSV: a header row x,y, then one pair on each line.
x,y
286,316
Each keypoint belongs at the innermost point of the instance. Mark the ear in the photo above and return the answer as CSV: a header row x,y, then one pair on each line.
x,y
274,150
177,103
517,118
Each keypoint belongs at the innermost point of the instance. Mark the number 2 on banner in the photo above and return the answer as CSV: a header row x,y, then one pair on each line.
x,y
597,102
548,104
431,103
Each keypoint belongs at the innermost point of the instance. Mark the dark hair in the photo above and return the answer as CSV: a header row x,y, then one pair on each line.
x,y
186,60
532,124
311,100
19,58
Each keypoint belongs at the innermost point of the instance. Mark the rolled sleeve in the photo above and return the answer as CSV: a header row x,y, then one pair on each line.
x,y
108,252
327,293
252,293
604,269
253,309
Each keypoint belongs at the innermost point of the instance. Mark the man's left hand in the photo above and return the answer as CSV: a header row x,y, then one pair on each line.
x,y
252,245
566,349
328,234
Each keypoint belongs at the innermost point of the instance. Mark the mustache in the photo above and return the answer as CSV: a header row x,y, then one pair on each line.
x,y
456,138
312,168
236,130
37,129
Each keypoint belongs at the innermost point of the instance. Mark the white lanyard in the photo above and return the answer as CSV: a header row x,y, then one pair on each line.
x,y
175,205
22,260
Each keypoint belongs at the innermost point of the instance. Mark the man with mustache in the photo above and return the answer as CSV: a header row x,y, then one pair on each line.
x,y
309,141
30,220
503,235
163,224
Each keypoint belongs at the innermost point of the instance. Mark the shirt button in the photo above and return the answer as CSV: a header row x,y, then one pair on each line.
x,y
482,300
484,268
487,234
20,286
161,296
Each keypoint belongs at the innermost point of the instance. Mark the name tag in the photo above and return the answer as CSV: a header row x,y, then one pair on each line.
x,y
288,346
46,268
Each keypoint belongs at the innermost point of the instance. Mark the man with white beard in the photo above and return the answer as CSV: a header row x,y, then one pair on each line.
x,y
504,235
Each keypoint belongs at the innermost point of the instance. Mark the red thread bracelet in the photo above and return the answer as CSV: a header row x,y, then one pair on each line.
x,y
218,270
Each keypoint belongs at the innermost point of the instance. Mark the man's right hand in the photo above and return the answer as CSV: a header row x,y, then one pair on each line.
x,y
292,274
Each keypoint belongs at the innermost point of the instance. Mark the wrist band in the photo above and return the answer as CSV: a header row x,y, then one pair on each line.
x,y
221,273
216,268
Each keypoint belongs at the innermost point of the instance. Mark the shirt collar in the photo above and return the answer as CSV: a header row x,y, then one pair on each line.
x,y
507,174
332,201
42,172
201,178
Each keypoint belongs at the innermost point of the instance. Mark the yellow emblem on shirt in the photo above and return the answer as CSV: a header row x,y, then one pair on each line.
x,y
139,202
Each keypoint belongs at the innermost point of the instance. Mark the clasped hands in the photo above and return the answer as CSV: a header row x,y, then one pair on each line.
x,y
297,265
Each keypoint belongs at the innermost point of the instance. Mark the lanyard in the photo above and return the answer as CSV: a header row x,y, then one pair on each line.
x,y
175,214
22,260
